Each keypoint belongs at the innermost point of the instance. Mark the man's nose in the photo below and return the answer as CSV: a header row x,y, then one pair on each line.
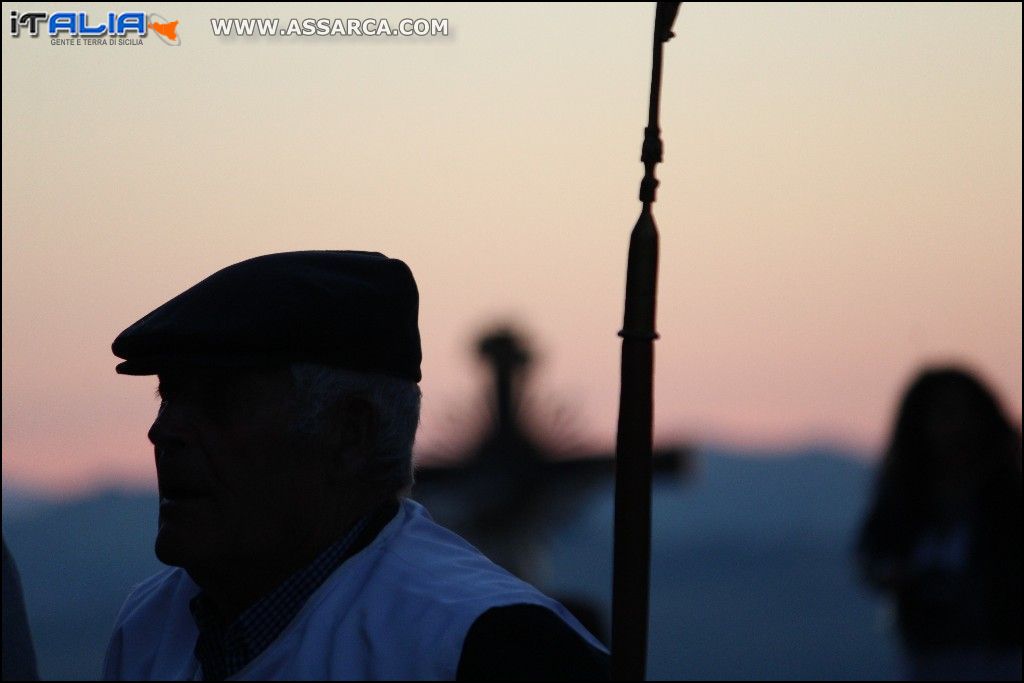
x,y
168,429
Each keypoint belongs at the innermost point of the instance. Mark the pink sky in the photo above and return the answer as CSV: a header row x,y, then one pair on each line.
x,y
840,204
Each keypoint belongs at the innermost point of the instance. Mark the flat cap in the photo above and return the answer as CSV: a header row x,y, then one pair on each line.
x,y
351,309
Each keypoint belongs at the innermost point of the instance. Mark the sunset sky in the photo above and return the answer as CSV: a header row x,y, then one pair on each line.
x,y
840,203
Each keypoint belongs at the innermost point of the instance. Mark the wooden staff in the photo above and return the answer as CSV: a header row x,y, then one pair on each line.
x,y
632,550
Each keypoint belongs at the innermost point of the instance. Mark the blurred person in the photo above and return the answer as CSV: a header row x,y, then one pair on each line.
x,y
943,535
18,654
289,402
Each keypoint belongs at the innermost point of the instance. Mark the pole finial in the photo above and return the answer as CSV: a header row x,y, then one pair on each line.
x,y
664,18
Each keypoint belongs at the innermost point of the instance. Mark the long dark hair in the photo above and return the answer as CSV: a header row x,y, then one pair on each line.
x,y
906,494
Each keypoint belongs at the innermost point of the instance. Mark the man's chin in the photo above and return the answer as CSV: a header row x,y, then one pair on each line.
x,y
173,550
179,544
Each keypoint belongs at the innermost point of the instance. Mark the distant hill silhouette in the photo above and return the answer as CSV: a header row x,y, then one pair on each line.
x,y
751,574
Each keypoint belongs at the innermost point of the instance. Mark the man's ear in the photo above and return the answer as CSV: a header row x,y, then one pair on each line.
x,y
355,419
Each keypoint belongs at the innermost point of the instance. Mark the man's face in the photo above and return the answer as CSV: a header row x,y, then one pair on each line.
x,y
232,486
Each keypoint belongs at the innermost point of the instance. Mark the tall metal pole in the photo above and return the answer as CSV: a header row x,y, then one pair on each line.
x,y
632,554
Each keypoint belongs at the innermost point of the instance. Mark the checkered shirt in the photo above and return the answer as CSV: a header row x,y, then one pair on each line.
x,y
223,650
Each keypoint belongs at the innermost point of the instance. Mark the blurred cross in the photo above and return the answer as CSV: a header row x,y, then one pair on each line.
x,y
504,493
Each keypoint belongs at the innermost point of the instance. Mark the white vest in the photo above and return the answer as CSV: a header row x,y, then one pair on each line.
x,y
398,609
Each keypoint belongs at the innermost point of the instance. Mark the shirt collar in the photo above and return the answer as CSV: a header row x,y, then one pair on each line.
x,y
223,650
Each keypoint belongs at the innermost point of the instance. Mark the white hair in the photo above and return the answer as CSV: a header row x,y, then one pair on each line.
x,y
396,403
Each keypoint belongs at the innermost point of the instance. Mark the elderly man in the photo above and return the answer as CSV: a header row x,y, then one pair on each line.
x,y
288,407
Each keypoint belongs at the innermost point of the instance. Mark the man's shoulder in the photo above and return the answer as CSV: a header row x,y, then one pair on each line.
x,y
508,628
417,569
422,555
427,564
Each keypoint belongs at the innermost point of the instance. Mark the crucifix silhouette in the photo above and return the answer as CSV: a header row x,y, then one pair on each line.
x,y
505,492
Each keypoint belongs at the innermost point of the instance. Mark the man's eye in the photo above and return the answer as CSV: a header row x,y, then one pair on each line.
x,y
210,396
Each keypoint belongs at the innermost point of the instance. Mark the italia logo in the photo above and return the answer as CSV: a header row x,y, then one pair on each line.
x,y
79,25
